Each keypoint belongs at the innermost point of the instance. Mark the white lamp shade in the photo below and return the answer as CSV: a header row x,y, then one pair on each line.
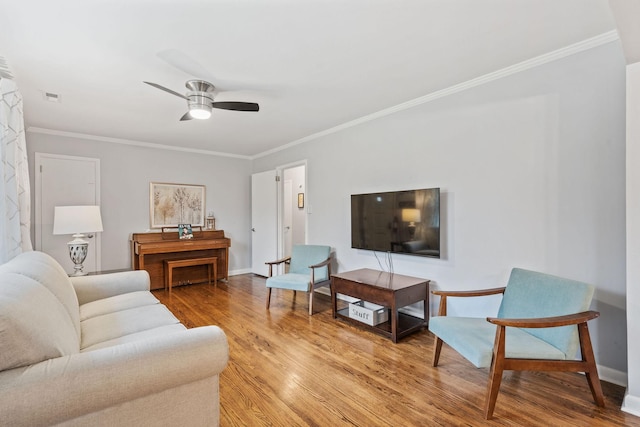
x,y
411,215
76,219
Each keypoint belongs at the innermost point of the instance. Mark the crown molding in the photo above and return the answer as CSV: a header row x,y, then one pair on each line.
x,y
555,55
121,141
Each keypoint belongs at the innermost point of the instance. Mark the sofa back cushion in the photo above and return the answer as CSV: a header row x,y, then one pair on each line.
x,y
49,273
34,324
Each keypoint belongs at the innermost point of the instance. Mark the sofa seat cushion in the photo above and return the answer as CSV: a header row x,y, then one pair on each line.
x,y
138,336
474,337
125,322
34,324
116,303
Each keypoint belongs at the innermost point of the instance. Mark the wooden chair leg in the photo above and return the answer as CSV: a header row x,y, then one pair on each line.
x,y
268,297
437,347
311,302
592,370
495,374
215,274
493,387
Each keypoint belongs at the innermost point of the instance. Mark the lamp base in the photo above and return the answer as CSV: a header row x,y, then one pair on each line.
x,y
78,249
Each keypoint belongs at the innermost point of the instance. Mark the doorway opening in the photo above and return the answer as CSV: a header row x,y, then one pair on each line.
x,y
278,214
293,229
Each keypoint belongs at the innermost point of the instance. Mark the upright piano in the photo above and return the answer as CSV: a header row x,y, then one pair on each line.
x,y
150,250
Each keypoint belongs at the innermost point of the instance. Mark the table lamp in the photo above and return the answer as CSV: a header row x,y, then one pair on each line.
x,y
78,221
411,216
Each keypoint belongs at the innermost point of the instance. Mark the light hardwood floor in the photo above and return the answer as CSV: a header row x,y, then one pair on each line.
x,y
289,369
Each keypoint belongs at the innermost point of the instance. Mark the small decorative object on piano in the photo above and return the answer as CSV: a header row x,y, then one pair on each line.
x,y
211,221
185,231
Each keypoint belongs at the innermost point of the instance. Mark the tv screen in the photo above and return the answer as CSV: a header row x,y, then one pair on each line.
x,y
406,222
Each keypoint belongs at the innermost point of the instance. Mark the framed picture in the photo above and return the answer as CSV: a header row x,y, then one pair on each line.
x,y
174,204
185,231
300,200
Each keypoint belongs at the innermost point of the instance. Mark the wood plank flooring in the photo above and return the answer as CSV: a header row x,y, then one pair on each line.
x,y
289,369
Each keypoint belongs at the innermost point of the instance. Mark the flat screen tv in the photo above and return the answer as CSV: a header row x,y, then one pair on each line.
x,y
406,222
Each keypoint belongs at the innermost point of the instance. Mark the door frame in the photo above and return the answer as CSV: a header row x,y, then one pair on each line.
x,y
280,196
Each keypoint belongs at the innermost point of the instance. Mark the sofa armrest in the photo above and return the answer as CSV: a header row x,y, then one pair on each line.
x,y
99,286
67,387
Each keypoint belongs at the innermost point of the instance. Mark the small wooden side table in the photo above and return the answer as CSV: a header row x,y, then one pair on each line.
x,y
170,264
387,289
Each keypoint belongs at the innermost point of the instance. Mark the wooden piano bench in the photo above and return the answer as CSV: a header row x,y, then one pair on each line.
x,y
170,264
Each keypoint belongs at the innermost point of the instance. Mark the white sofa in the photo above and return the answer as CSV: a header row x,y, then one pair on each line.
x,y
100,350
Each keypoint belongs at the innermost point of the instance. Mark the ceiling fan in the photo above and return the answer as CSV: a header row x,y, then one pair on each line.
x,y
200,100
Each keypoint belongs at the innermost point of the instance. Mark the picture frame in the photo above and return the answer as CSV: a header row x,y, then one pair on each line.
x,y
300,200
173,204
185,231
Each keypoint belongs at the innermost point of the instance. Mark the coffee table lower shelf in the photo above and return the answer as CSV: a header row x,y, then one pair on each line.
x,y
407,324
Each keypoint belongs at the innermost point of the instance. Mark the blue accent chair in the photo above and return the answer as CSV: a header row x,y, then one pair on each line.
x,y
541,323
309,269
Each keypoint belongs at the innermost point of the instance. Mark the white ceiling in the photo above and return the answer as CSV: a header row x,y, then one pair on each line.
x,y
310,64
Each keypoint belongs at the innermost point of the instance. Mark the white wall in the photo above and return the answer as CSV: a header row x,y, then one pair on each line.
x,y
126,172
632,399
531,169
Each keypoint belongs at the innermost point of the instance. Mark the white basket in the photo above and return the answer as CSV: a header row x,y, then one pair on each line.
x,y
369,313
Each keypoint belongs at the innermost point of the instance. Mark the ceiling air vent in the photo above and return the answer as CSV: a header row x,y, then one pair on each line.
x,y
51,97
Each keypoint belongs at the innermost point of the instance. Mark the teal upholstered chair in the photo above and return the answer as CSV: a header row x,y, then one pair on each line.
x,y
309,269
541,323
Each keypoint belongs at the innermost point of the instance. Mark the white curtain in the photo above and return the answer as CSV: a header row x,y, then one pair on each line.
x,y
15,196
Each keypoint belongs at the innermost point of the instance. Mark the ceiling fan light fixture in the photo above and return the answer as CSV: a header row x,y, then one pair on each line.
x,y
200,100
200,112
200,105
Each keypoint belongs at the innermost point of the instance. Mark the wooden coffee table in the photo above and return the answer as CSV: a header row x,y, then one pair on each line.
x,y
387,289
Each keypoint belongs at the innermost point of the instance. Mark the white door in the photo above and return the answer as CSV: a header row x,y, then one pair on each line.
x,y
264,221
65,181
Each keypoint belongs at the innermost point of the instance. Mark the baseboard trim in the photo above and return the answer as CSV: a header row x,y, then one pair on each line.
x,y
239,272
612,375
631,404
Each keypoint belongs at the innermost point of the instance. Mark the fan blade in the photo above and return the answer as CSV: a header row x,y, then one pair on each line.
x,y
186,116
157,86
237,106
185,63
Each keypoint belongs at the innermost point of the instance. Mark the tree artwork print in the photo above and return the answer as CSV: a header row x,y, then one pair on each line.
x,y
173,204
